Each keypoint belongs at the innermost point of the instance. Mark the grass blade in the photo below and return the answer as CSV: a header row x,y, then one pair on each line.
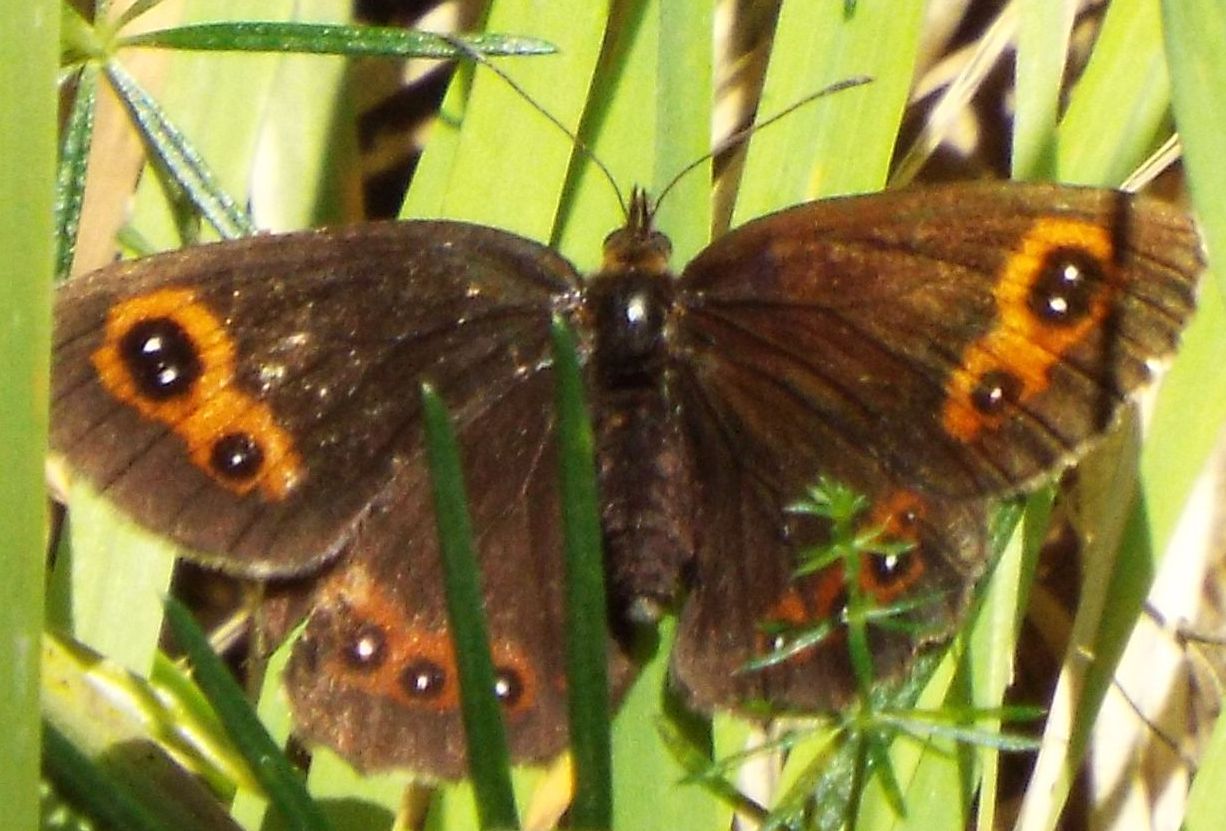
x,y
29,41
271,769
74,157
330,39
488,758
586,631
173,150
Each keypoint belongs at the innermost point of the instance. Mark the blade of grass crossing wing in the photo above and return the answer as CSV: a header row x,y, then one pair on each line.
x,y
488,759
586,631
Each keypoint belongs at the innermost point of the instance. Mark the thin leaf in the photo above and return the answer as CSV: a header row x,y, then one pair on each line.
x,y
271,769
586,630
29,42
93,792
488,759
172,149
331,39
74,156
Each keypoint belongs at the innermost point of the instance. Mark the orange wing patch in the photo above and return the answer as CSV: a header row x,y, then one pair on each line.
x,y
168,356
1054,289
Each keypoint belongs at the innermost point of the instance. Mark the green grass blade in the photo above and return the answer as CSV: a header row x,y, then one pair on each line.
x,y
488,758
29,41
1042,47
1100,143
180,159
508,165
1205,799
1194,31
1121,102
586,630
91,790
272,770
843,143
74,156
130,13
329,39
132,744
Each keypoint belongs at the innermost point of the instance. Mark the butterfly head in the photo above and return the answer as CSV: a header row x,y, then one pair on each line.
x,y
637,246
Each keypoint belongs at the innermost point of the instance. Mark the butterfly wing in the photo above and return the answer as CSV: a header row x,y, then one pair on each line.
x,y
373,675
931,349
253,400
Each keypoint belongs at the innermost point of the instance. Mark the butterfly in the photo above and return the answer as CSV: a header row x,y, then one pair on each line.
x,y
936,349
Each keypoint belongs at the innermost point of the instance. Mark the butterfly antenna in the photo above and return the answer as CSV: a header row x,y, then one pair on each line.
x,y
741,135
472,54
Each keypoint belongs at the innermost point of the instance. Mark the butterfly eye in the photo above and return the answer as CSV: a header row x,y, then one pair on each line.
x,y
1064,287
160,358
368,648
424,679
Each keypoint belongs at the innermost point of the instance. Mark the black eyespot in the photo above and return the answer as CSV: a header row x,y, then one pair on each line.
x,y
508,686
161,358
996,390
1065,286
424,679
367,649
237,456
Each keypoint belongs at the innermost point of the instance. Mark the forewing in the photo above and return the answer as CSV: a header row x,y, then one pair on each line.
x,y
867,334
311,348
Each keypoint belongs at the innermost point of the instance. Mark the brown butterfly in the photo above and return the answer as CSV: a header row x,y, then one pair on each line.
x,y
935,349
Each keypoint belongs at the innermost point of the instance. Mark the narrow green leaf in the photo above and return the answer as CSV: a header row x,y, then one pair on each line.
x,y
1121,104
268,763
844,142
488,758
174,151
1205,798
74,154
1043,36
124,728
29,42
91,790
1122,117
330,39
129,14
586,630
